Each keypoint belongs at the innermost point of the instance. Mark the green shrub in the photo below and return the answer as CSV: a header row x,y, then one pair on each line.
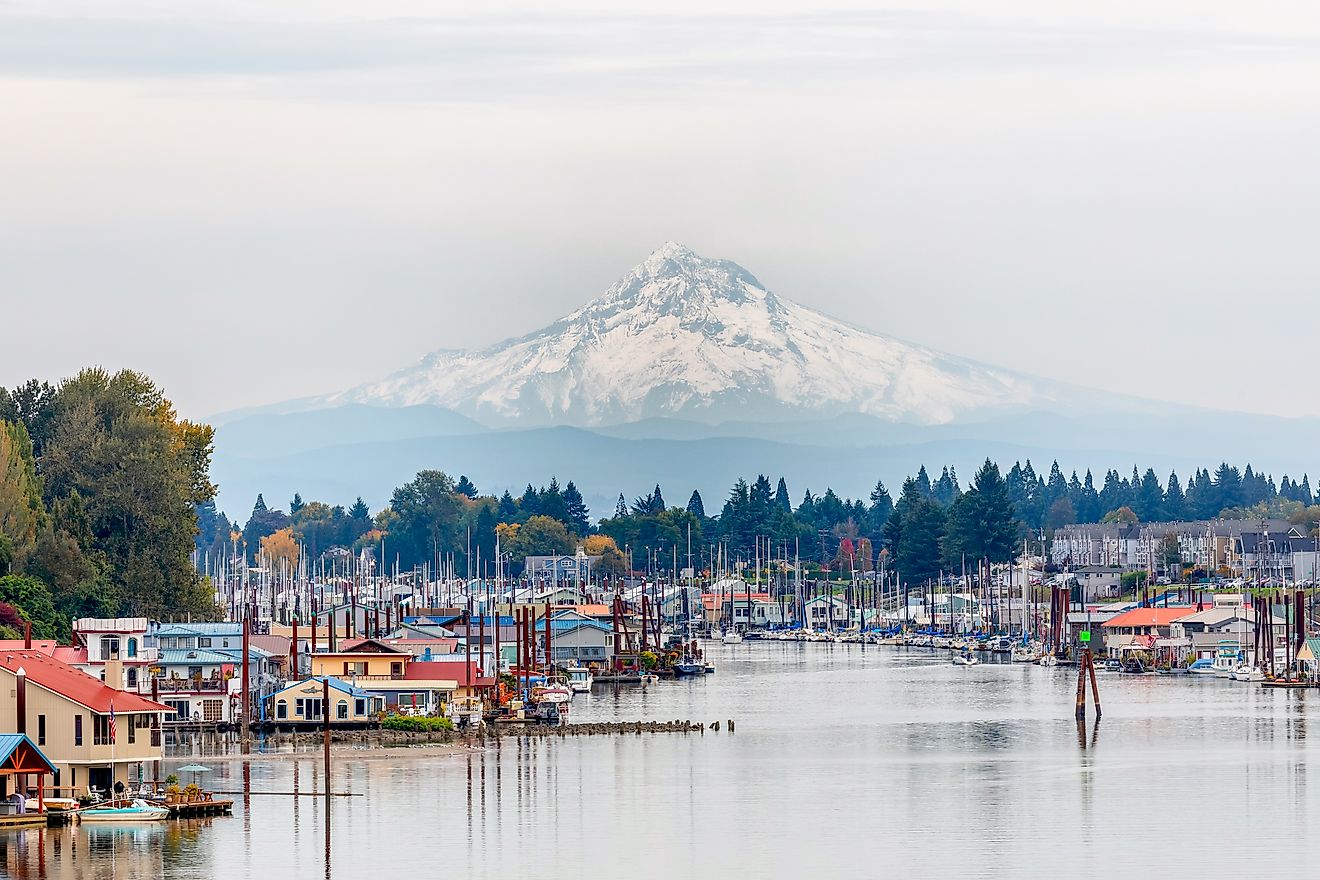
x,y
416,723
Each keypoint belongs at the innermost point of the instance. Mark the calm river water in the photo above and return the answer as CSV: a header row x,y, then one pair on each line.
x,y
845,763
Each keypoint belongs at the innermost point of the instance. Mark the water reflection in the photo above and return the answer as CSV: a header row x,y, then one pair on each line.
x,y
843,764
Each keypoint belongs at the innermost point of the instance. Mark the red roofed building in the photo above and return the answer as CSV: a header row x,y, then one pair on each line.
x,y
95,735
1143,625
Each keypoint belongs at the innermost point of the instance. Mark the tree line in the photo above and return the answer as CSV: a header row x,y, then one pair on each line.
x,y
99,484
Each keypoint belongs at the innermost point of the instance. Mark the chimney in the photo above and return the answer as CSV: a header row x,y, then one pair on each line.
x,y
114,674
20,689
27,635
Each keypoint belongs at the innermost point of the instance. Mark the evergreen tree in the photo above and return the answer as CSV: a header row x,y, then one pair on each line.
x,y
781,497
360,511
946,489
579,519
1088,504
550,502
1304,491
1175,503
982,523
530,504
1149,500
695,506
881,508
658,500
923,482
464,487
897,520
296,504
920,542
508,509
621,508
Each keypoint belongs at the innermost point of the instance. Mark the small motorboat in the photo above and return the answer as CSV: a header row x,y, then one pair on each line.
x,y
732,638
1247,673
1047,659
649,678
688,667
966,658
580,679
1204,666
136,810
1022,654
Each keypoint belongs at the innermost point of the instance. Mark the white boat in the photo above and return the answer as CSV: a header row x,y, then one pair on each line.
x,y
649,678
135,811
1047,659
1022,654
966,658
580,679
554,692
1247,673
732,638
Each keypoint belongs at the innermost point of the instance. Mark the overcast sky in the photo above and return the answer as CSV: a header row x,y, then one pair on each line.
x,y
254,205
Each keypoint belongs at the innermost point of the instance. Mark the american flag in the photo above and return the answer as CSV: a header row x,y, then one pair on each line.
x,y
112,722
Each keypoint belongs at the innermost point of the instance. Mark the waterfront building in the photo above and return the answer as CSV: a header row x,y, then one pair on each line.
x,y
576,638
95,735
826,613
1144,626
301,703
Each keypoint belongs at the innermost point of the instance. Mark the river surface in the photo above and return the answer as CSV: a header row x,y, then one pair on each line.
x,y
845,762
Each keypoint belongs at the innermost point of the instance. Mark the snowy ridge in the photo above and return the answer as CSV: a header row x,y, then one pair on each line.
x,y
682,335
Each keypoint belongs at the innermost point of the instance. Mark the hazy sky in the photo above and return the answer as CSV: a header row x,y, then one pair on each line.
x,y
256,201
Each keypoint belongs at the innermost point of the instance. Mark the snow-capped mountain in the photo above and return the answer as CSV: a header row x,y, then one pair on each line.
x,y
683,335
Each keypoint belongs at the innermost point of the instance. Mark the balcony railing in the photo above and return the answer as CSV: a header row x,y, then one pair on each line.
x,y
184,685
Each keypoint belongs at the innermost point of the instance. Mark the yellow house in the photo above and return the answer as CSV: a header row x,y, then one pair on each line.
x,y
364,660
302,703
93,734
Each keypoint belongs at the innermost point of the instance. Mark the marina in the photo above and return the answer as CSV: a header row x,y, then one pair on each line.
x,y
987,761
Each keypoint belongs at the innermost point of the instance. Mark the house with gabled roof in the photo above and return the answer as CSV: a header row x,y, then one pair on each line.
x,y
94,735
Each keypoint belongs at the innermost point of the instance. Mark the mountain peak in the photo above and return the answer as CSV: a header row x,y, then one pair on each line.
x,y
689,336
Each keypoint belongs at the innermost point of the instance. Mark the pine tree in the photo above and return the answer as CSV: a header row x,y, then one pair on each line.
x,y
508,510
295,505
621,508
946,489
1175,503
695,506
579,518
1304,491
982,523
1149,498
360,511
882,506
923,482
781,497
658,500
464,487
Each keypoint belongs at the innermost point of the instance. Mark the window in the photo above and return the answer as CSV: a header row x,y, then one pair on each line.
x,y
212,710
41,730
77,730
203,642
109,648
132,677
132,649
282,709
132,728
396,669
341,711
180,708
298,707
361,707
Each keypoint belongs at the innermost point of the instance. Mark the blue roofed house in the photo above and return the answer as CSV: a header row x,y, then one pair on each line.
x,y
576,638
198,672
